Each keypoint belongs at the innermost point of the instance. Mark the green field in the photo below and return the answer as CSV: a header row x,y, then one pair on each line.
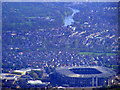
x,y
95,53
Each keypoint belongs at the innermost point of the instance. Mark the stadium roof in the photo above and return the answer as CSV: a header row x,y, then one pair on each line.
x,y
104,72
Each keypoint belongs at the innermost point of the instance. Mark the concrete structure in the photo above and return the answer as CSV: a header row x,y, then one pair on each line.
x,y
83,76
33,82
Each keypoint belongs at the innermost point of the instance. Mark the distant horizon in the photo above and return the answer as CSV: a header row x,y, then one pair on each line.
x,y
60,1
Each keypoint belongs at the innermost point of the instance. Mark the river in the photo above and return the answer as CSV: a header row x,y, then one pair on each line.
x,y
69,19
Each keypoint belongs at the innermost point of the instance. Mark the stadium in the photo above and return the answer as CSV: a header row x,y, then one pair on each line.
x,y
82,76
